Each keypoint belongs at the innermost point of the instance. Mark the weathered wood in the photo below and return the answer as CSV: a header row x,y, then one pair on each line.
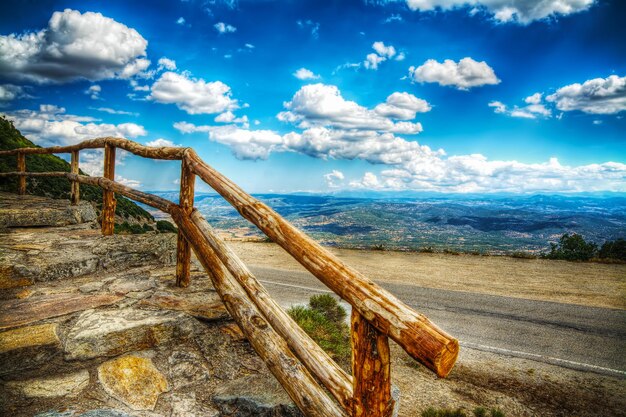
x,y
293,376
185,200
15,313
164,152
21,167
371,370
108,197
422,339
75,192
335,379
149,199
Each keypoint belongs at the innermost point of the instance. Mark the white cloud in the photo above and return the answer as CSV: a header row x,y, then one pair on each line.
x,y
305,74
166,63
10,92
245,144
322,105
249,46
384,50
74,46
382,53
94,92
222,27
518,11
180,21
334,178
195,96
596,96
113,111
185,127
534,108
463,75
229,117
127,182
51,126
161,142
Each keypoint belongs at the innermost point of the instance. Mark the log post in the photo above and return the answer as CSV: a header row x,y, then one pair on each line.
x,y
299,384
75,196
371,370
21,167
185,200
108,197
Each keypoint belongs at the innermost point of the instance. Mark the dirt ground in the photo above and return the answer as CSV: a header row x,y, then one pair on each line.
x,y
519,387
590,284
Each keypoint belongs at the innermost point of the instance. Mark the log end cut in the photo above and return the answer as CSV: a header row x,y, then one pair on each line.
x,y
447,358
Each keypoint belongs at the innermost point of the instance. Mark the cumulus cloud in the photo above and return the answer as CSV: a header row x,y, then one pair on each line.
x,y
10,92
518,11
128,182
195,96
382,53
161,142
222,27
334,178
330,127
463,75
50,126
94,92
166,64
322,105
229,117
305,74
535,107
74,46
596,96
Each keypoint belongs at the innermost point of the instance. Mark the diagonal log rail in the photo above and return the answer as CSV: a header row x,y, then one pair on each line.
x,y
292,356
417,335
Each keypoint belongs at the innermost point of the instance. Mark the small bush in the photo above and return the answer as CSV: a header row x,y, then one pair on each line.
x,y
164,226
128,229
445,412
323,321
427,249
379,246
572,248
522,255
615,249
451,252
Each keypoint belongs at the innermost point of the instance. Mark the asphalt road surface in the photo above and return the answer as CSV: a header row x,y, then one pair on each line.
x,y
572,336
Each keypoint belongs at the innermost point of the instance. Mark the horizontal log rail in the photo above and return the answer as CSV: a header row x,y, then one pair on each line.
x,y
292,356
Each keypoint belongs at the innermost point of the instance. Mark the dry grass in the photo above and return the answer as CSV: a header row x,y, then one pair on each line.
x,y
591,284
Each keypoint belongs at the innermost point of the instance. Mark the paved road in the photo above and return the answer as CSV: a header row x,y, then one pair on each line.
x,y
584,338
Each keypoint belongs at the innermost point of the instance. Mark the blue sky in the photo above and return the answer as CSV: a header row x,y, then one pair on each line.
x,y
427,95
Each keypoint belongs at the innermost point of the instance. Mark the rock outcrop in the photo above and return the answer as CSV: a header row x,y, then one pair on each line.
x,y
94,326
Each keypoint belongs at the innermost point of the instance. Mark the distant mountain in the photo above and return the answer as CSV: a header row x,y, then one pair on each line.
x,y
495,224
11,138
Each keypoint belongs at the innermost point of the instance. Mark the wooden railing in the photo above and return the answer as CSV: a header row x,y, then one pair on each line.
x,y
291,355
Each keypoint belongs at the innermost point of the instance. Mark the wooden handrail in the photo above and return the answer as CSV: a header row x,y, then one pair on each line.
x,y
417,335
292,356
163,152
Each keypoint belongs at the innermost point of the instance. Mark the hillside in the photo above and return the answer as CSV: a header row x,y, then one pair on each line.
x,y
11,138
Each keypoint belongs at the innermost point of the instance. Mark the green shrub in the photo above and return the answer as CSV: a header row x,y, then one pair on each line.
x,y
572,248
615,249
52,187
164,226
522,255
323,321
130,229
445,412
427,249
379,246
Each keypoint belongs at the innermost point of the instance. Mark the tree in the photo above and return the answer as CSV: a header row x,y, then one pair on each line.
x,y
572,248
615,249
